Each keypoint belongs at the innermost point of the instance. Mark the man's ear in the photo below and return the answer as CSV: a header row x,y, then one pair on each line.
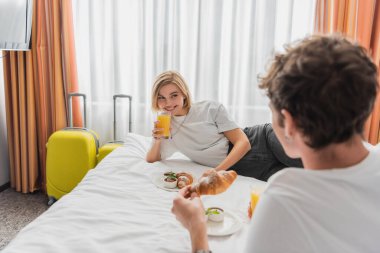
x,y
289,124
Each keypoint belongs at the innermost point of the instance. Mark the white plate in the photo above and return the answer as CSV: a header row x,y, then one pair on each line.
x,y
158,180
230,225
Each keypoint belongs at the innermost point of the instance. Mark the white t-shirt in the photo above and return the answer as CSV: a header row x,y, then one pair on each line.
x,y
199,134
320,211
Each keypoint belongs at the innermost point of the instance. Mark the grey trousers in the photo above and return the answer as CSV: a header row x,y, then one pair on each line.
x,y
266,156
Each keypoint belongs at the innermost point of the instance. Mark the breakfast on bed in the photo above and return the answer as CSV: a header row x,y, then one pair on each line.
x,y
215,214
178,180
219,221
214,183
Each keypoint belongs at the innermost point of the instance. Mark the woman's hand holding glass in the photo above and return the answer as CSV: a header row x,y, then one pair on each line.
x,y
157,132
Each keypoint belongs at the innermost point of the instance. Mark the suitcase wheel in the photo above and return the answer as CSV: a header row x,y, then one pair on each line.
x,y
51,201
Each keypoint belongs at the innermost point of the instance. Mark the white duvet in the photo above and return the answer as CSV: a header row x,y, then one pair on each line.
x,y
117,208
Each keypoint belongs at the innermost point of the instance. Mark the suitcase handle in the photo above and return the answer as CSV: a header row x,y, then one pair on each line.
x,y
70,97
114,112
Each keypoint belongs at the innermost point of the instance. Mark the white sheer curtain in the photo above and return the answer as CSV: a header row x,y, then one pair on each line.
x,y
219,46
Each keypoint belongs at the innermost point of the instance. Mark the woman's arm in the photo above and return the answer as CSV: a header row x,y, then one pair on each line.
x,y
241,146
154,154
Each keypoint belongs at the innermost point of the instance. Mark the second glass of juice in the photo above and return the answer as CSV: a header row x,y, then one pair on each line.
x,y
255,197
163,121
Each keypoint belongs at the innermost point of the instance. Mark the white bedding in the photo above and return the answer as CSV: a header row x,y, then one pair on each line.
x,y
116,208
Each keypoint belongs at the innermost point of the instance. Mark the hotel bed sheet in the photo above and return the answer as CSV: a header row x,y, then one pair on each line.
x,y
117,208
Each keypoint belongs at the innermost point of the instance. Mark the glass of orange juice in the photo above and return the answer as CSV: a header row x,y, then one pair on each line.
x,y
163,121
256,191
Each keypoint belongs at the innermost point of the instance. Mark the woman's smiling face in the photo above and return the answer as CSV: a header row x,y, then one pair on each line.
x,y
171,99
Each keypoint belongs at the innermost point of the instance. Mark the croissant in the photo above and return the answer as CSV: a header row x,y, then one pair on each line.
x,y
184,179
214,183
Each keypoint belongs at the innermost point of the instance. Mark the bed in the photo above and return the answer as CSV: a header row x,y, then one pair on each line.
x,y
120,207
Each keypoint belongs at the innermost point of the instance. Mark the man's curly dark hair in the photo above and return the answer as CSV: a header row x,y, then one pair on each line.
x,y
327,84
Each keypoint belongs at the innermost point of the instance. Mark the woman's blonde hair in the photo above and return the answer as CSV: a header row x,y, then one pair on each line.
x,y
170,77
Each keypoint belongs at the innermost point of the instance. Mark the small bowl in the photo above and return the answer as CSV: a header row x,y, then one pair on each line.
x,y
215,214
170,173
170,182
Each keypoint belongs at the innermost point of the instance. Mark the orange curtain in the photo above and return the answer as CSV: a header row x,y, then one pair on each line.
x,y
359,20
36,86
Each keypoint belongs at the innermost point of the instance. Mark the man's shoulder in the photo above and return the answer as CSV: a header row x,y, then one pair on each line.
x,y
290,181
287,174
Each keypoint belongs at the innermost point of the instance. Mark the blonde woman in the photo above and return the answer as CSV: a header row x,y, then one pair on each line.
x,y
204,132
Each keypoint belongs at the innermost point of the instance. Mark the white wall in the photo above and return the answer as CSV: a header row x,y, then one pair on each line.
x,y
4,159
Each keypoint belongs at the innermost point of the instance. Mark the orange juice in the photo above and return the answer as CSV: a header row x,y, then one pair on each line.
x,y
255,196
164,123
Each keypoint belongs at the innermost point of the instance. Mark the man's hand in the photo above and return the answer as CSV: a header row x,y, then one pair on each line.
x,y
189,211
208,172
